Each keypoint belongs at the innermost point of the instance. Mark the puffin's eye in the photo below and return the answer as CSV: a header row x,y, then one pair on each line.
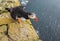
x,y
31,16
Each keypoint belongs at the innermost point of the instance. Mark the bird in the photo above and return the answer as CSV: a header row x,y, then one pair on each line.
x,y
18,13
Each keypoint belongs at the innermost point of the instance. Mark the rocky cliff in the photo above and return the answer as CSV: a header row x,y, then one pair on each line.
x,y
10,30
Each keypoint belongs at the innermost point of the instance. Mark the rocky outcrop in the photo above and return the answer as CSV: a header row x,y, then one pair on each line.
x,y
10,30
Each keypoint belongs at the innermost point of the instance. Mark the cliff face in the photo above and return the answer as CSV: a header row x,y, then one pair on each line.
x,y
10,30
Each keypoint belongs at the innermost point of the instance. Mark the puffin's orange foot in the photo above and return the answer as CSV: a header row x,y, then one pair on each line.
x,y
19,20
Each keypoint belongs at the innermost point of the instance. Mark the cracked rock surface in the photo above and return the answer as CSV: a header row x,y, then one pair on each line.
x,y
10,30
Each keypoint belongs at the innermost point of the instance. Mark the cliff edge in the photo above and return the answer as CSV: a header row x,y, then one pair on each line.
x,y
10,30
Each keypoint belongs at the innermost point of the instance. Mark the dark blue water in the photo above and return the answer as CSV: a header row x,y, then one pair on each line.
x,y
48,12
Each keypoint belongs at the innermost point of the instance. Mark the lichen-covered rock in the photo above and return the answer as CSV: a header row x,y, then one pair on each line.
x,y
22,31
9,3
10,30
3,29
5,18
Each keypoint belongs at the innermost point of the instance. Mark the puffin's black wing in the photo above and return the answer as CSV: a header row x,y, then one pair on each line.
x,y
18,11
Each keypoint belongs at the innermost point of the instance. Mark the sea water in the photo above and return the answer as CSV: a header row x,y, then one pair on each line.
x,y
48,12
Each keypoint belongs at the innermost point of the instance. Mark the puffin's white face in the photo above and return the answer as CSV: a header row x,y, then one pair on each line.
x,y
33,16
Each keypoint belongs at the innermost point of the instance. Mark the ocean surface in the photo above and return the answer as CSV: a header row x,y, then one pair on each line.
x,y
48,12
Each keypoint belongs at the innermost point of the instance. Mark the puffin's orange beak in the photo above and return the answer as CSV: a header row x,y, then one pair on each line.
x,y
36,19
19,20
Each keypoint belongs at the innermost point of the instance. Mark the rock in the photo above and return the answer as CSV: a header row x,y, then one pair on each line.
x,y
22,32
10,30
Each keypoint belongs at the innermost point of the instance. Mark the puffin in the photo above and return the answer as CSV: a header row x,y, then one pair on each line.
x,y
18,13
